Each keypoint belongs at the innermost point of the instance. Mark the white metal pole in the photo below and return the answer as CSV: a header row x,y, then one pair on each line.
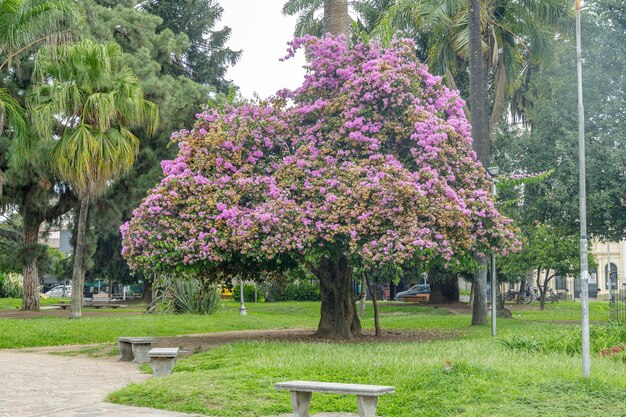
x,y
584,267
242,307
609,283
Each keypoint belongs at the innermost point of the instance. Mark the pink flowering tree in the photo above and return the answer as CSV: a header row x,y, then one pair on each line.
x,y
368,164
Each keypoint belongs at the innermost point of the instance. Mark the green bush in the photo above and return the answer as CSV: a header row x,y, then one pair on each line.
x,y
304,291
11,285
188,295
569,341
248,293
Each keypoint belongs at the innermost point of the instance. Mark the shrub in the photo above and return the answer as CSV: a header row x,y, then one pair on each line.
x,y
11,285
304,291
248,293
602,339
189,295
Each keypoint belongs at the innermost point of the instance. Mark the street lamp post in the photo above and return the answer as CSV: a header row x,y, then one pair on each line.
x,y
584,267
242,307
609,283
493,172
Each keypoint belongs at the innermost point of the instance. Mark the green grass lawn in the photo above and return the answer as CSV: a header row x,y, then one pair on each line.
x,y
52,331
15,303
471,375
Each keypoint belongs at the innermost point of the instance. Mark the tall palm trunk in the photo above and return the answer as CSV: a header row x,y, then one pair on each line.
x,y
480,135
336,19
78,275
30,298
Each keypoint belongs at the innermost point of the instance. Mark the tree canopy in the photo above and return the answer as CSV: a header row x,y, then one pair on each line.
x,y
205,57
551,141
369,160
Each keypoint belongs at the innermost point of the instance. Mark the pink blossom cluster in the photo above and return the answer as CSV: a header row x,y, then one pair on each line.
x,y
371,155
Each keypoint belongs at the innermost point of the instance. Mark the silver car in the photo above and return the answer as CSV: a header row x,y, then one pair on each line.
x,y
60,291
414,290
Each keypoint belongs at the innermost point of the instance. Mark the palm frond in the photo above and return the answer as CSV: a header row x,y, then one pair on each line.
x,y
88,95
13,114
294,7
25,24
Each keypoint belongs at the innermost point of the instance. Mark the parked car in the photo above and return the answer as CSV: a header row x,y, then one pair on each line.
x,y
59,291
414,290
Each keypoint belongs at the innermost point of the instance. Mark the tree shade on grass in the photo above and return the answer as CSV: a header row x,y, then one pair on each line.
x,y
371,165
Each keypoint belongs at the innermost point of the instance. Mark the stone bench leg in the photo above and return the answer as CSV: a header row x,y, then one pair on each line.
x,y
126,351
140,352
301,401
162,366
367,405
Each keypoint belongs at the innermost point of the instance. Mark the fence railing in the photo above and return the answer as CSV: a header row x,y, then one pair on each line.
x,y
617,297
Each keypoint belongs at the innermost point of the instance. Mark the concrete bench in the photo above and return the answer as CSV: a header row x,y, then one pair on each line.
x,y
97,304
417,298
135,349
301,392
162,361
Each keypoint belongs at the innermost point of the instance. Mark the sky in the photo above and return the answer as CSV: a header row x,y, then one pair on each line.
x,y
262,32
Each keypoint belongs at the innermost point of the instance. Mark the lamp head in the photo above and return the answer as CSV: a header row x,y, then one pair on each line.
x,y
493,171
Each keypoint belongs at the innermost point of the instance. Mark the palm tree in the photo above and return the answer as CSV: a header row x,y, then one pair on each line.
x,y
336,19
14,114
87,101
517,36
480,134
26,25
317,17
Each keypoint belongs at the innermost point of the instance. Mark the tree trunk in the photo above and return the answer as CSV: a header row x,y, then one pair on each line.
x,y
479,309
147,291
543,290
378,331
336,19
30,298
478,100
522,288
363,296
480,136
338,311
78,275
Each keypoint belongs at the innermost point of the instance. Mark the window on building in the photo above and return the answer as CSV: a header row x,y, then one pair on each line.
x,y
613,278
561,283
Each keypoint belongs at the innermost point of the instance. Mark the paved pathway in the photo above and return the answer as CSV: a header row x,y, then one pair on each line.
x,y
40,385
43,385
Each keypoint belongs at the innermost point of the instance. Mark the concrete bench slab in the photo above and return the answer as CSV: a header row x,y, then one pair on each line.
x,y
302,391
162,361
135,349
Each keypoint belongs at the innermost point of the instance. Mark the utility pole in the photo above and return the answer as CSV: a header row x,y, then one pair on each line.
x,y
493,172
609,283
584,267
242,307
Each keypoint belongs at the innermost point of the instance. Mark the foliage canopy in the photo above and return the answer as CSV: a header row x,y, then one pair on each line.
x,y
371,158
